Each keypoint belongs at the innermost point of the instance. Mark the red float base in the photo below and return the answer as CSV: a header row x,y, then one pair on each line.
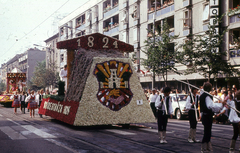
x,y
60,110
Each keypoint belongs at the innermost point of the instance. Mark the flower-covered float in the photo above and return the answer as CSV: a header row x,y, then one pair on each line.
x,y
16,80
102,86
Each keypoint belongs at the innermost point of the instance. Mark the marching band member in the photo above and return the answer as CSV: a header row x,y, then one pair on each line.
x,y
207,108
164,110
191,114
16,103
31,99
234,118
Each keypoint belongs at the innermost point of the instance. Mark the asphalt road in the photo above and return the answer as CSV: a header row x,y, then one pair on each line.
x,y
21,134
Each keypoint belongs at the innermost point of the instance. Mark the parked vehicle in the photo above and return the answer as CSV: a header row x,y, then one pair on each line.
x,y
178,105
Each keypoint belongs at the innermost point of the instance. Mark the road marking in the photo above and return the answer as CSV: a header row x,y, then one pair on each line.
x,y
38,131
1,115
187,127
61,145
152,130
120,132
14,135
13,121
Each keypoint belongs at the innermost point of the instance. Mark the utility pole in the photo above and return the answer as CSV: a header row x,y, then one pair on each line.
x,y
154,18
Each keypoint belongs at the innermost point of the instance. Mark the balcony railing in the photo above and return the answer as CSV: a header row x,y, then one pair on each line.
x,y
111,31
234,53
235,18
81,27
110,12
162,11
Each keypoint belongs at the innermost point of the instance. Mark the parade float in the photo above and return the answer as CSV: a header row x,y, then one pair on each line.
x,y
16,81
103,88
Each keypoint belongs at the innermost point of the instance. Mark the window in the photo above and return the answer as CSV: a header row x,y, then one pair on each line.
x,y
206,12
124,18
135,34
61,58
110,23
187,19
124,35
80,21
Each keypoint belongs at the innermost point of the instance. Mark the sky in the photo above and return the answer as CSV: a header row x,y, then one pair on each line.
x,y
27,22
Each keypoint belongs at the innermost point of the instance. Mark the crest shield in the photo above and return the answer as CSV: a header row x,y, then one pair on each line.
x,y
113,78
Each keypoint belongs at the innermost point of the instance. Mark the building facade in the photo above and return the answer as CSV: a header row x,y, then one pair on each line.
x,y
130,20
52,53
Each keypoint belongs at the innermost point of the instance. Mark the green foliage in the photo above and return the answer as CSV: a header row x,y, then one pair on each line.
x,y
55,97
161,54
201,54
44,77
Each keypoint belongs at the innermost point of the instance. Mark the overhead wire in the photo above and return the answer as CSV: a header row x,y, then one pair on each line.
x,y
34,28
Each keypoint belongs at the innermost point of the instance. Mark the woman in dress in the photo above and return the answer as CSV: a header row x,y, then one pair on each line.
x,y
32,104
16,103
234,119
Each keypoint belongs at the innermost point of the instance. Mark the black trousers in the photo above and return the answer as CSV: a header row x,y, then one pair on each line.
x,y
222,118
192,119
162,120
235,131
154,110
23,106
40,103
207,123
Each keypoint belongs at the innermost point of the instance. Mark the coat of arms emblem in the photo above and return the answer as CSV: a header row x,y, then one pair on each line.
x,y
113,77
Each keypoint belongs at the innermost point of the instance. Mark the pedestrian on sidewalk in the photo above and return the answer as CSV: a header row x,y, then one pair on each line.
x,y
32,105
207,109
234,118
192,115
16,103
164,111
22,100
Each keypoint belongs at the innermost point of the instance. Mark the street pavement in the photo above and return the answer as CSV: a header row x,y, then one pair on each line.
x,y
21,134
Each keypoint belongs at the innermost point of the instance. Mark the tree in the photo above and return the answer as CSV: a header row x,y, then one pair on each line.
x,y
202,53
161,53
44,77
39,73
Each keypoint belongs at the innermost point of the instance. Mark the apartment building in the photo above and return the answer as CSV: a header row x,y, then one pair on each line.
x,y
128,21
53,56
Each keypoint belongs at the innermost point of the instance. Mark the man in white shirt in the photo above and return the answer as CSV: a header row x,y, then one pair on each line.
x,y
164,110
152,99
192,100
63,76
207,108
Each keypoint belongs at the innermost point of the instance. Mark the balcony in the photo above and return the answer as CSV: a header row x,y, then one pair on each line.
x,y
81,27
109,12
111,30
235,18
162,11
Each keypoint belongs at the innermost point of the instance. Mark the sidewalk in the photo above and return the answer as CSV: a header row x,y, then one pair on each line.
x,y
9,112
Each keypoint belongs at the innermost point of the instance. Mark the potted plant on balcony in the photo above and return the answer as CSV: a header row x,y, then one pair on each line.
x,y
237,9
231,12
